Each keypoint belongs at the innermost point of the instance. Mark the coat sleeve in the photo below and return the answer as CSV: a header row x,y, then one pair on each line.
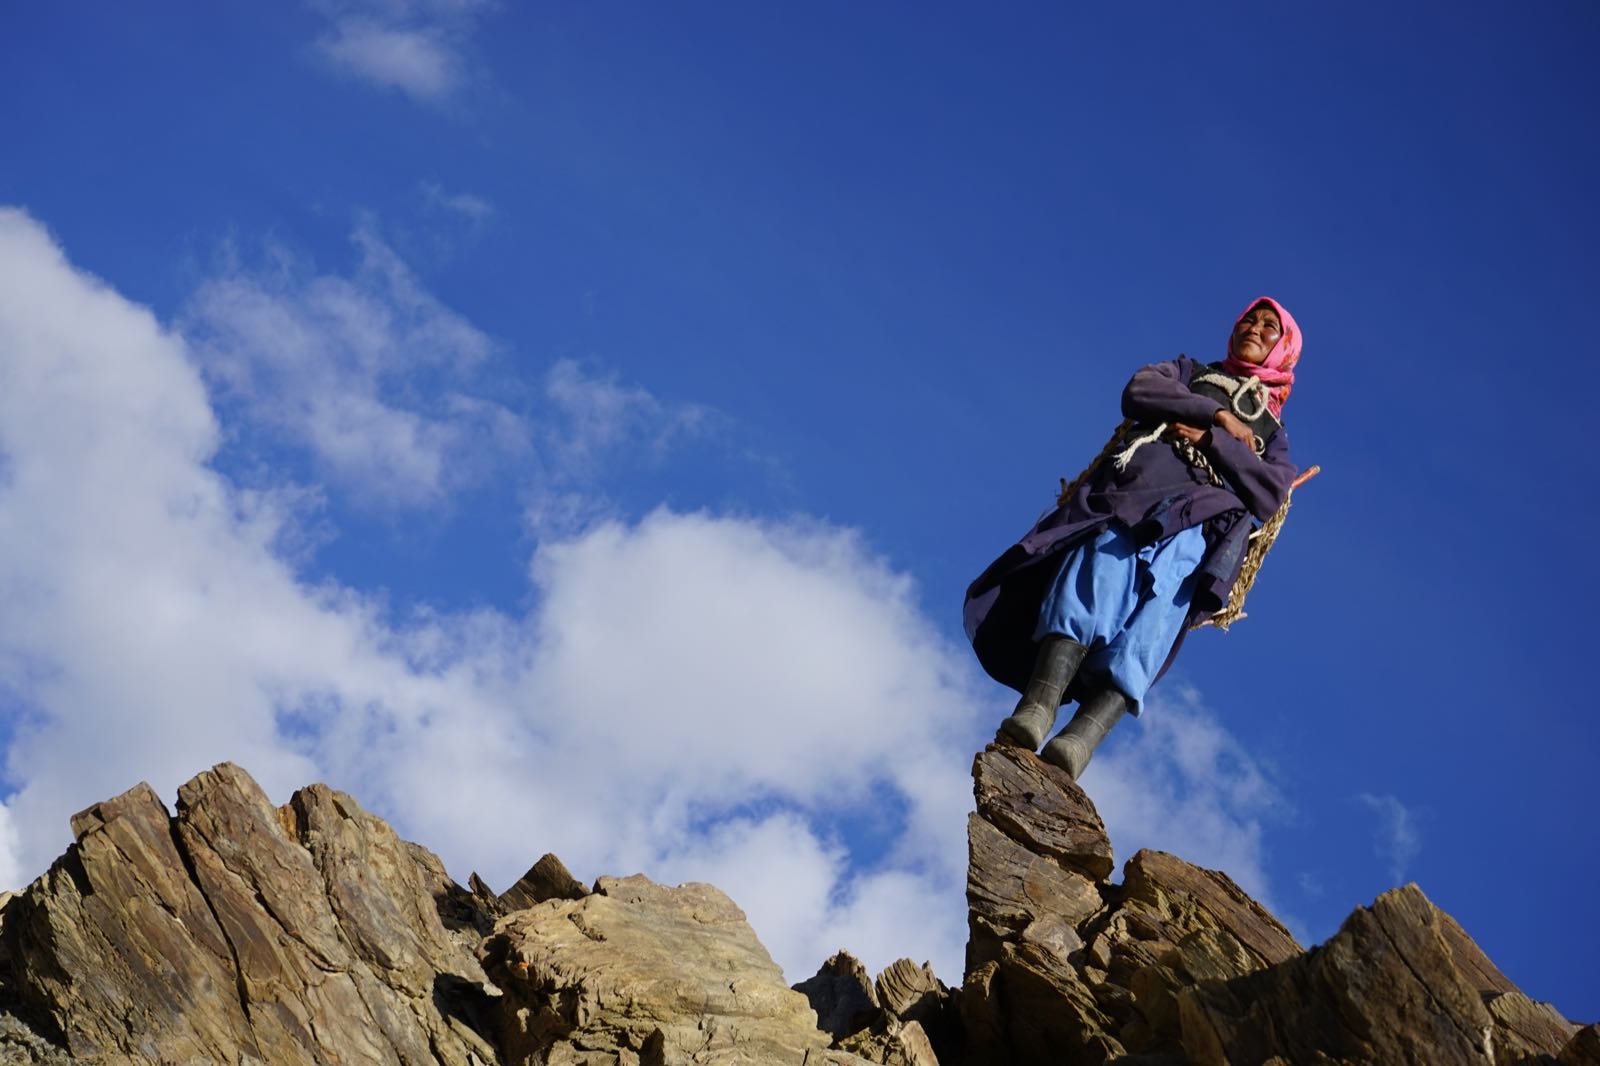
x,y
1260,481
1160,393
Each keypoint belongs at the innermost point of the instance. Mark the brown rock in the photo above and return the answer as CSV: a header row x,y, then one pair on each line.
x,y
1583,1049
1036,849
912,993
1183,899
641,973
1523,1028
115,947
1041,808
1169,926
906,990
893,1043
245,934
1009,888
1398,983
546,879
240,932
842,996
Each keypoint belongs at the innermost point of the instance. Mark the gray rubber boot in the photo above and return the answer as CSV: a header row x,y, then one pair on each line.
x,y
1059,658
1073,747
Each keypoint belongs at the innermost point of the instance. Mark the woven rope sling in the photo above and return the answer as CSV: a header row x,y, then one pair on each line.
x,y
1260,541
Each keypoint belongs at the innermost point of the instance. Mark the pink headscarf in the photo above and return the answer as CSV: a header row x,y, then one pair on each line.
x,y
1277,370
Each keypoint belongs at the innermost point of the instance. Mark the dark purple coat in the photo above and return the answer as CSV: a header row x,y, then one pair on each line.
x,y
1156,496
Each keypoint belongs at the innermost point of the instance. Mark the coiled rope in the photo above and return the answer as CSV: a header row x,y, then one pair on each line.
x,y
1261,540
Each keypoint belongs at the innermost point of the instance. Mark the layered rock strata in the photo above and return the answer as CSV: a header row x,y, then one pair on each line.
x,y
239,932
236,932
638,974
1178,965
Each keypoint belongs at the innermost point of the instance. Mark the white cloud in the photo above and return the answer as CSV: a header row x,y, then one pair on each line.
x,y
1187,786
599,413
474,209
692,696
676,674
415,46
369,373
588,425
11,874
1396,840
400,402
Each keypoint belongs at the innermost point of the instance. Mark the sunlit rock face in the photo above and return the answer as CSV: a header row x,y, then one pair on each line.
x,y
233,931
238,931
1178,965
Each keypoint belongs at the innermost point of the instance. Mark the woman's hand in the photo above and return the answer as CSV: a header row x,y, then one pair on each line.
x,y
1189,433
1234,427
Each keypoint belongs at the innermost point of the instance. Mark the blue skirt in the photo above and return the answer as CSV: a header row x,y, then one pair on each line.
x,y
1127,604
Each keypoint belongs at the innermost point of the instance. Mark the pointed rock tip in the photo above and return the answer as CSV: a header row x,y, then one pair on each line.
x,y
1041,808
546,879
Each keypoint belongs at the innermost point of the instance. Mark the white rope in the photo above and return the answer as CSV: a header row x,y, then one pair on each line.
x,y
1239,391
1125,456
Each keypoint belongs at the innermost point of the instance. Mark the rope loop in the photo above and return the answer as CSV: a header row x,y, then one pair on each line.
x,y
1250,387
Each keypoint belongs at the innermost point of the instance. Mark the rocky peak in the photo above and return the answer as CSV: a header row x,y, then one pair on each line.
x,y
232,931
1177,964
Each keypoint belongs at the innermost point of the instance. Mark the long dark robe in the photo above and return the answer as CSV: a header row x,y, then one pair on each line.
x,y
1157,495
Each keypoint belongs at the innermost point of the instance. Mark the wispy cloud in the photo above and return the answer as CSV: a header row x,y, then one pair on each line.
x,y
415,46
370,374
598,413
1187,786
1396,839
473,209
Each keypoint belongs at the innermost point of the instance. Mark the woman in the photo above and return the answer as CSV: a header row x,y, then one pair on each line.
x,y
1094,601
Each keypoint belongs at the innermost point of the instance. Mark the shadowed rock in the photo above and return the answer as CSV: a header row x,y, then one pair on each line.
x,y
1397,983
842,995
908,1028
913,993
1179,965
546,879
1583,1049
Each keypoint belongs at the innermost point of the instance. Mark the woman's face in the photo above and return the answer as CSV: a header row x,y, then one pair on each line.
x,y
1256,333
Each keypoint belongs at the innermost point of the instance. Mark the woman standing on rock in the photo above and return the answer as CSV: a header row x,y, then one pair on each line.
x,y
1094,601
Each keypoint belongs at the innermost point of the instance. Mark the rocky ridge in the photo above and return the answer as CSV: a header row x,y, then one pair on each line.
x,y
233,931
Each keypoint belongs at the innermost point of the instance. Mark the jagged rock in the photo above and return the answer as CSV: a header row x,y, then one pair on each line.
x,y
842,995
239,933
1036,848
912,993
893,1043
1060,961
1041,808
639,973
898,1030
236,932
1523,1028
546,879
483,895
1399,982
1169,926
909,991
1583,1049
21,1046
1032,851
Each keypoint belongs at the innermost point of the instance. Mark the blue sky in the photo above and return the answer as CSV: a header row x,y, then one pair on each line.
x,y
572,427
